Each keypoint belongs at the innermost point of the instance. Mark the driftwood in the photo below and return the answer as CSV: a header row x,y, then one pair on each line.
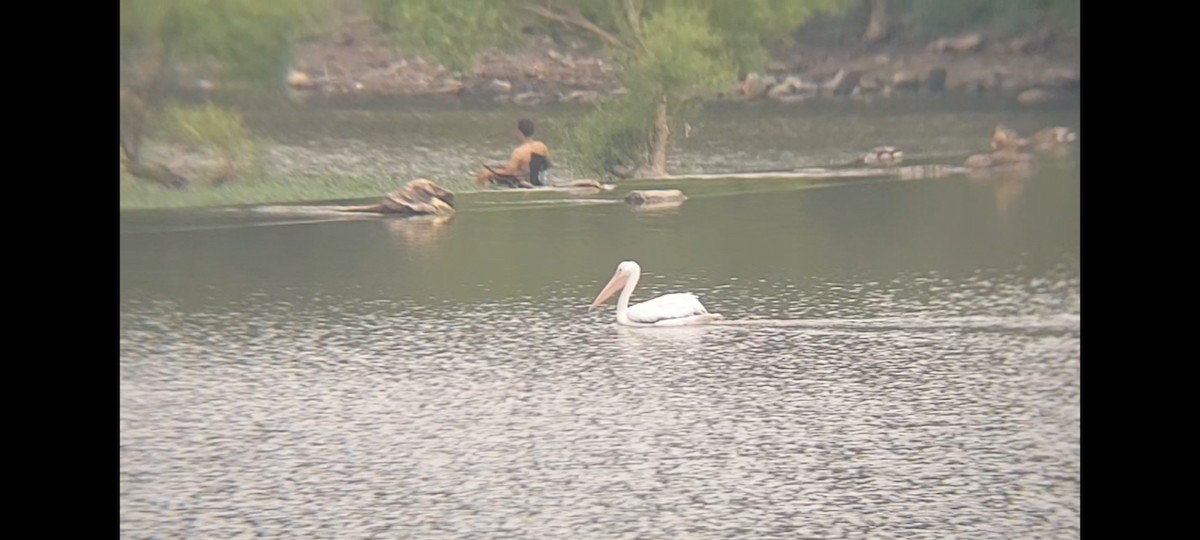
x,y
572,186
655,196
420,197
588,183
579,186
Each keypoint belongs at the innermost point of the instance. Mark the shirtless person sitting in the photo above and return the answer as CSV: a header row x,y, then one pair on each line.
x,y
525,168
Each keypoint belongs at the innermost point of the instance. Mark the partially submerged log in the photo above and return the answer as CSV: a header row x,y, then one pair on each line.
x,y
588,185
572,186
420,197
655,197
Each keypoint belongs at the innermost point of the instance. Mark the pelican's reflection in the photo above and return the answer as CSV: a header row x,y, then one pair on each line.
x,y
668,340
419,231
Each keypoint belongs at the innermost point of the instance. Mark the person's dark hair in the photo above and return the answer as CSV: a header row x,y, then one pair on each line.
x,y
525,125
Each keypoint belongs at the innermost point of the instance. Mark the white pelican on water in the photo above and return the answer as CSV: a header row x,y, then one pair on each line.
x,y
678,309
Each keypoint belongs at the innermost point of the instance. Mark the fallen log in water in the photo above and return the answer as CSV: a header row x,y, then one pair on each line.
x,y
655,197
573,186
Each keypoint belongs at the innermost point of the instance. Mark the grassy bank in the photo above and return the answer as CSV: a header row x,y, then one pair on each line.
x,y
140,195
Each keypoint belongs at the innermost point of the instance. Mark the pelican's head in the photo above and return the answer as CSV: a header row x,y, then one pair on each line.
x,y
624,270
628,267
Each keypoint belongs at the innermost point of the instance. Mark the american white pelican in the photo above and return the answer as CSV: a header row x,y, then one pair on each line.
x,y
678,309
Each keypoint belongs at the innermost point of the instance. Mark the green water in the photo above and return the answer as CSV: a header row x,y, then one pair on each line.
x,y
908,363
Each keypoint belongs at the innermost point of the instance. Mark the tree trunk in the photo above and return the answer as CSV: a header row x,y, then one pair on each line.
x,y
133,118
141,84
877,27
660,139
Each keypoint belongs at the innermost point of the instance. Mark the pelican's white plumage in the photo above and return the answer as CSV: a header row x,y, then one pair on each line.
x,y
675,309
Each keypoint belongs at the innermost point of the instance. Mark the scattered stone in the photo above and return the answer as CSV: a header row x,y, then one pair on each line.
x,y
755,86
793,89
1040,96
793,98
299,79
528,98
450,86
1029,43
962,44
1062,78
868,86
842,83
580,96
905,81
884,156
782,88
499,85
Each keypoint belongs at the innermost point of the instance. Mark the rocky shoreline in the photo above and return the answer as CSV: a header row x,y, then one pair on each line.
x,y
357,62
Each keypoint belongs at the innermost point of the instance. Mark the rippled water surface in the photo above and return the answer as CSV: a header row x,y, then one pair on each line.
x,y
901,360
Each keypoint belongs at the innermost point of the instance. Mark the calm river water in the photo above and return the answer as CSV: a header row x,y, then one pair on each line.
x,y
903,357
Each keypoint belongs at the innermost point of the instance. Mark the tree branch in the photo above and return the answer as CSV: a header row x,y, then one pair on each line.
x,y
633,15
579,21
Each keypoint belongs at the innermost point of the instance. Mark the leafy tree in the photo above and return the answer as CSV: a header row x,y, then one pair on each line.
x,y
249,40
671,51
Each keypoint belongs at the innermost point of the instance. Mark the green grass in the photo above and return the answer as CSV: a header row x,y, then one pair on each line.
x,y
140,194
